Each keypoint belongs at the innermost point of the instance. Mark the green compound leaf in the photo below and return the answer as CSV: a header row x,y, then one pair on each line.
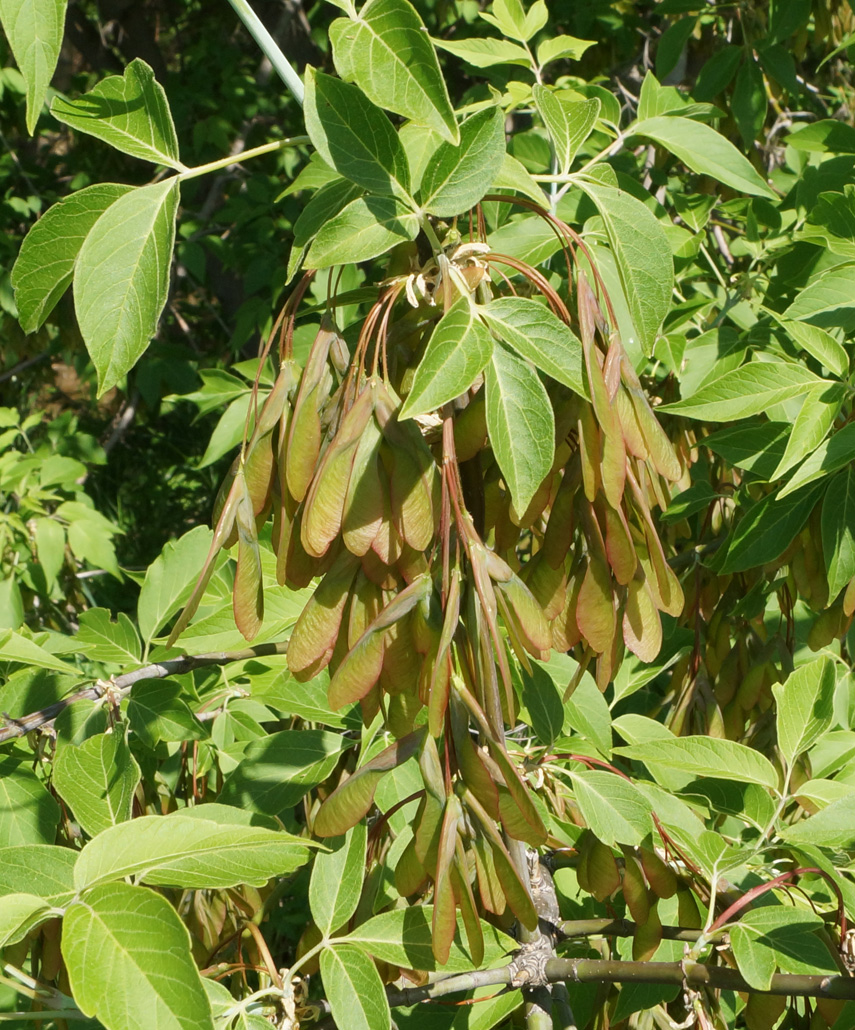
x,y
97,779
805,706
459,348
330,200
403,937
121,278
706,756
562,47
484,53
705,151
354,989
336,884
838,531
457,177
100,638
833,827
520,422
386,50
746,391
827,300
180,851
130,112
45,262
779,937
170,579
20,913
354,136
643,257
831,455
129,963
822,345
819,410
34,29
43,869
366,228
278,770
533,331
569,122
28,813
613,808
768,529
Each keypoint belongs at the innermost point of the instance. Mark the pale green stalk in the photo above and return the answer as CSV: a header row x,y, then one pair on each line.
x,y
270,49
243,155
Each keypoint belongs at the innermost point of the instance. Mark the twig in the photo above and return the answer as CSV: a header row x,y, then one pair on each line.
x,y
119,686
585,970
15,369
626,928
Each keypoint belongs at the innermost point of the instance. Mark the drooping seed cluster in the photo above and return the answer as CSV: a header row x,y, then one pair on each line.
x,y
414,613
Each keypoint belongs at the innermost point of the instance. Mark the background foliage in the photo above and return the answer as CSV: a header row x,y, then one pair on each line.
x,y
704,155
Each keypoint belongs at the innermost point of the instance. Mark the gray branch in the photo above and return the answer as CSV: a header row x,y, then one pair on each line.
x,y
119,686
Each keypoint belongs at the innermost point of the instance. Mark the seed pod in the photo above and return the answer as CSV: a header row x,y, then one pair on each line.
x,y
384,576
688,913
748,692
412,475
522,612
547,584
565,629
470,427
465,899
632,435
363,503
304,434
351,800
247,594
410,875
660,876
530,828
635,888
444,921
729,676
642,628
762,1011
589,451
427,826
387,544
358,672
489,887
595,611
322,514
402,710
558,535
584,844
222,531
471,763
648,936
602,871
619,548
314,635
831,624
661,451
401,662
441,670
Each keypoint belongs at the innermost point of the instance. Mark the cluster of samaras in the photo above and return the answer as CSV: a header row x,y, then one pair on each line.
x,y
413,610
